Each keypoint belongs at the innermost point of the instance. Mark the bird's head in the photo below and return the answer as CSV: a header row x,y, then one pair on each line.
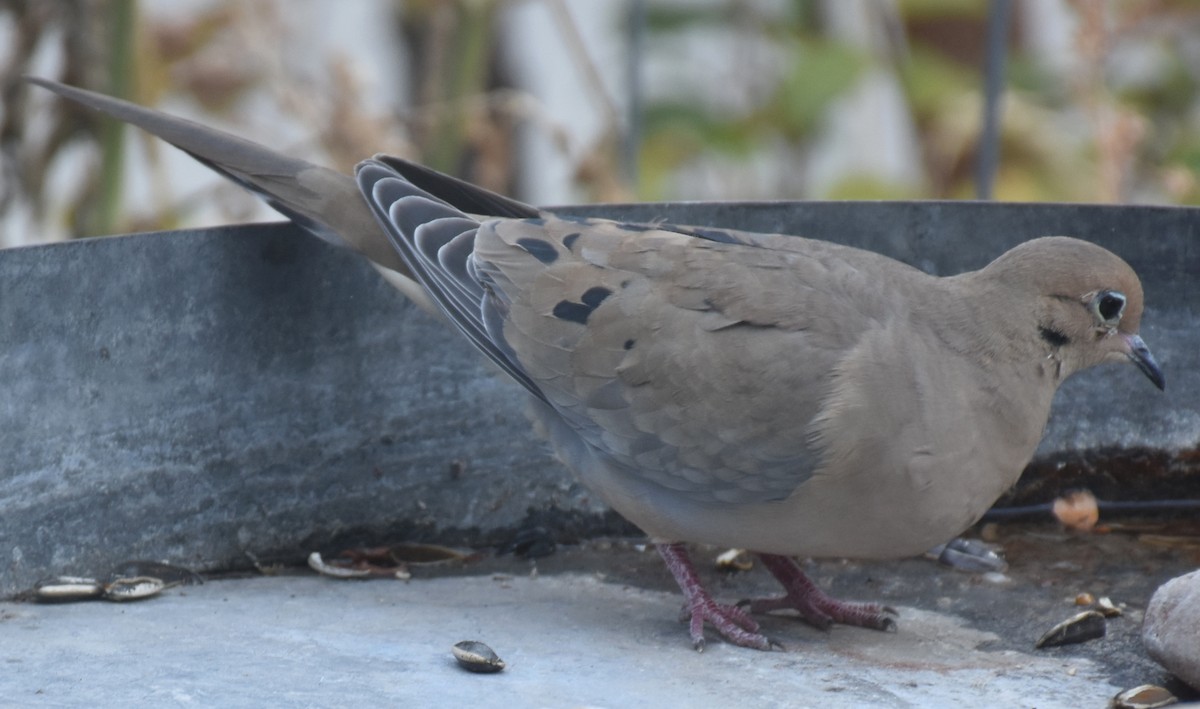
x,y
1089,303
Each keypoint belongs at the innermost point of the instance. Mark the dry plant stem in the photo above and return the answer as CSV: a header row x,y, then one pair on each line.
x,y
1117,131
465,77
575,44
112,138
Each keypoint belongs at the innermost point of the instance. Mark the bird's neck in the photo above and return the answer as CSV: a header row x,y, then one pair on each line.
x,y
995,325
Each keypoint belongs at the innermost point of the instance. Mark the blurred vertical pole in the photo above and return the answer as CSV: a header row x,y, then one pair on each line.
x,y
993,90
121,39
633,77
464,50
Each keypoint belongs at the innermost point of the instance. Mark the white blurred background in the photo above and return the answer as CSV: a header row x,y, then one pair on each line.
x,y
562,101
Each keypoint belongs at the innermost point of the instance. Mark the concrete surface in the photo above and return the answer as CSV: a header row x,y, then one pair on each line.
x,y
312,642
201,397
595,627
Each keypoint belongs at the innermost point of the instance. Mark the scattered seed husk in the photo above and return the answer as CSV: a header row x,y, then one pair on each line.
x,y
134,588
391,561
1106,607
475,656
65,589
734,560
170,574
423,554
1079,628
316,563
1147,696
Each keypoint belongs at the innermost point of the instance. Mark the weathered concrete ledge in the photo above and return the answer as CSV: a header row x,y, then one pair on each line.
x,y
207,395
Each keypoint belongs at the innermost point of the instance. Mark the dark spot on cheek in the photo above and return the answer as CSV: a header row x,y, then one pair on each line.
x,y
541,250
629,344
1056,338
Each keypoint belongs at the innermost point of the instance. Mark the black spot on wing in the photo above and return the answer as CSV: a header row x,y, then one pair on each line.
x,y
1056,338
629,344
581,311
569,240
594,296
539,248
574,312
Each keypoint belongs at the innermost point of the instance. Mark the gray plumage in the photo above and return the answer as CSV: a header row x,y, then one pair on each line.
x,y
780,394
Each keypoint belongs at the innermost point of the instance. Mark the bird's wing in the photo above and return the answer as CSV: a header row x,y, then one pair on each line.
x,y
694,358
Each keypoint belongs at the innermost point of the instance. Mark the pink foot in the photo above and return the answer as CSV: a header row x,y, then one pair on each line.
x,y
730,621
814,606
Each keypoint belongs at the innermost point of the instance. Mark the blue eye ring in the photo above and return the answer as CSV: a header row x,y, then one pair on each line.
x,y
1108,306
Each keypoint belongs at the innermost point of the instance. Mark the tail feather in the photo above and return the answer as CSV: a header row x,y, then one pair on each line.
x,y
455,258
321,200
430,237
414,223
457,193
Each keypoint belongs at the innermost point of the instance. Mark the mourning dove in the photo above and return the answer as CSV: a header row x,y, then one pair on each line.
x,y
774,393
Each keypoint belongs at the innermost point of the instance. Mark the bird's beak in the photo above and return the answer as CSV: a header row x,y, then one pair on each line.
x,y
1140,355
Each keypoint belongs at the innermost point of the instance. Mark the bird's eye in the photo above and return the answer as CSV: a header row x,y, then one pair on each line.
x,y
1108,306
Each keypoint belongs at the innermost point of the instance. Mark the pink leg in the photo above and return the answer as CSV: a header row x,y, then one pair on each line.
x,y
732,622
819,609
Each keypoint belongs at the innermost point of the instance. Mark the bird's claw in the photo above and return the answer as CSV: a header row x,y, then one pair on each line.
x,y
734,624
815,606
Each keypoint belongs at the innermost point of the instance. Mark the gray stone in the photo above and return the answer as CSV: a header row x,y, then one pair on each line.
x,y
569,640
1171,629
209,396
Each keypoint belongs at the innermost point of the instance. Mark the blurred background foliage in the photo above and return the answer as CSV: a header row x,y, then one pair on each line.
x,y
731,99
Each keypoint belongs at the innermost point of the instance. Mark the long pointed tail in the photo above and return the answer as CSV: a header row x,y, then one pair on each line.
x,y
323,201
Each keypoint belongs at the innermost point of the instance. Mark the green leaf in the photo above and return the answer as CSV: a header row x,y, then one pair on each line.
x,y
930,80
821,72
